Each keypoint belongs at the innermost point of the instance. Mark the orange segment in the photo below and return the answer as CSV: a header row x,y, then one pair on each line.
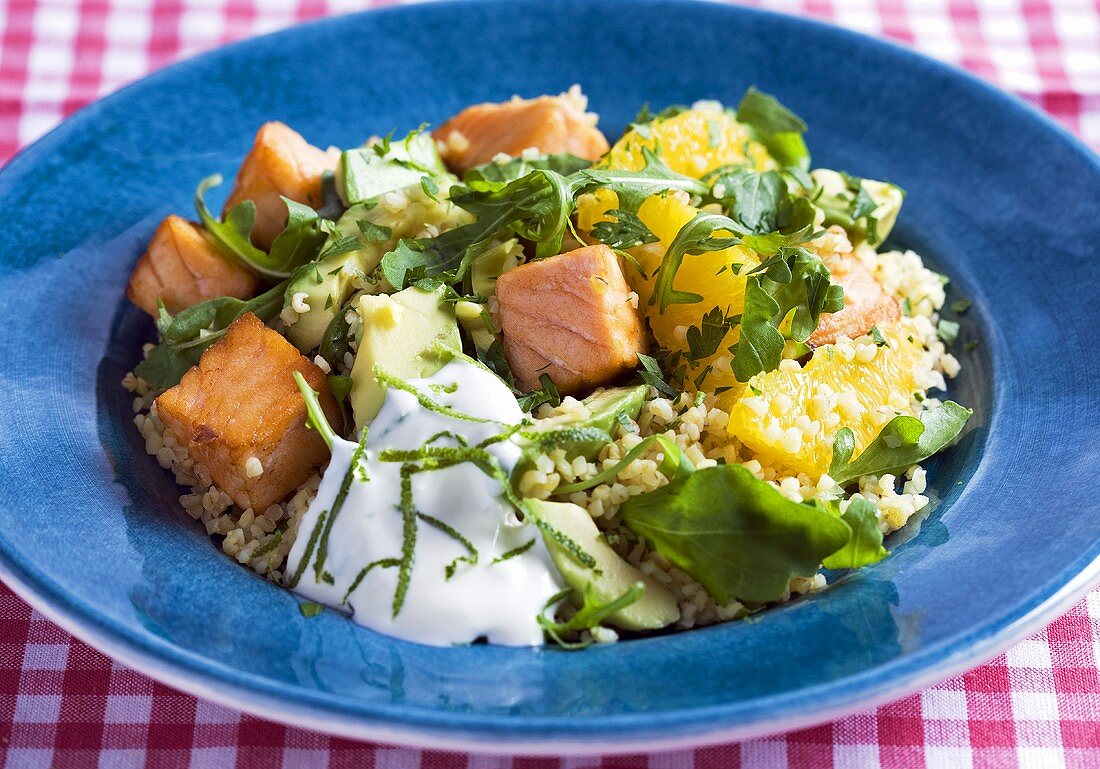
x,y
798,411
693,143
719,277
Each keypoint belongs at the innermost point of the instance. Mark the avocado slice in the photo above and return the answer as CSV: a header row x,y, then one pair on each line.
x,y
400,333
837,196
367,172
612,576
491,264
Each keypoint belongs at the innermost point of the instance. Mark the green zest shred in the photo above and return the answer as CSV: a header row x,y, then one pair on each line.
x,y
673,465
514,552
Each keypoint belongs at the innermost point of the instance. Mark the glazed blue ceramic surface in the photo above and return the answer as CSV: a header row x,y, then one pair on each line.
x,y
999,198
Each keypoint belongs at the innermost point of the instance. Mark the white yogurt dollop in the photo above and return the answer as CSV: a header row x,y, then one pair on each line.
x,y
495,599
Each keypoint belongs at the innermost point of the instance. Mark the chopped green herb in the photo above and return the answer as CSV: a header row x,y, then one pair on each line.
x,y
626,230
705,339
880,340
947,330
430,188
793,280
310,609
651,374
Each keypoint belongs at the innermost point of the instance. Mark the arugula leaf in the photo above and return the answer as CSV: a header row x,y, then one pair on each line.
x,y
233,235
332,205
336,342
735,534
864,546
674,465
776,127
315,414
493,176
626,231
589,616
536,207
633,187
183,338
696,237
548,393
762,204
300,241
793,280
902,443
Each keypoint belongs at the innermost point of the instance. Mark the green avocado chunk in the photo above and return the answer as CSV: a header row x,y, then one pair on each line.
x,y
400,333
367,172
612,575
327,283
839,199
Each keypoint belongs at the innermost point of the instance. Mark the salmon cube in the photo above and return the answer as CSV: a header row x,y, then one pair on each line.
x,y
572,317
549,124
240,414
183,267
280,163
866,302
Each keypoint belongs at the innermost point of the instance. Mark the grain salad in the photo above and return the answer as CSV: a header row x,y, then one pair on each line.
x,y
507,381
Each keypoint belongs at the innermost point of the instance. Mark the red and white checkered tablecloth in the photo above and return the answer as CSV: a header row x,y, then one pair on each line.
x,y
63,704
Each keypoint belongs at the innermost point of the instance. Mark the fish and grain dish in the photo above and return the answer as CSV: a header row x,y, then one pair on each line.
x,y
507,381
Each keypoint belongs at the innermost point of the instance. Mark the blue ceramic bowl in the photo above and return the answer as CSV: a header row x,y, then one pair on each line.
x,y
1000,199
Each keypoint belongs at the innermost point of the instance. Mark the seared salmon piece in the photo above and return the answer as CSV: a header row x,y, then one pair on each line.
x,y
866,302
549,124
282,163
240,414
183,267
572,317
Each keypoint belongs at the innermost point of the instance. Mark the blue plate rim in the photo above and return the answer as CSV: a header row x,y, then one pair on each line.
x,y
544,735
